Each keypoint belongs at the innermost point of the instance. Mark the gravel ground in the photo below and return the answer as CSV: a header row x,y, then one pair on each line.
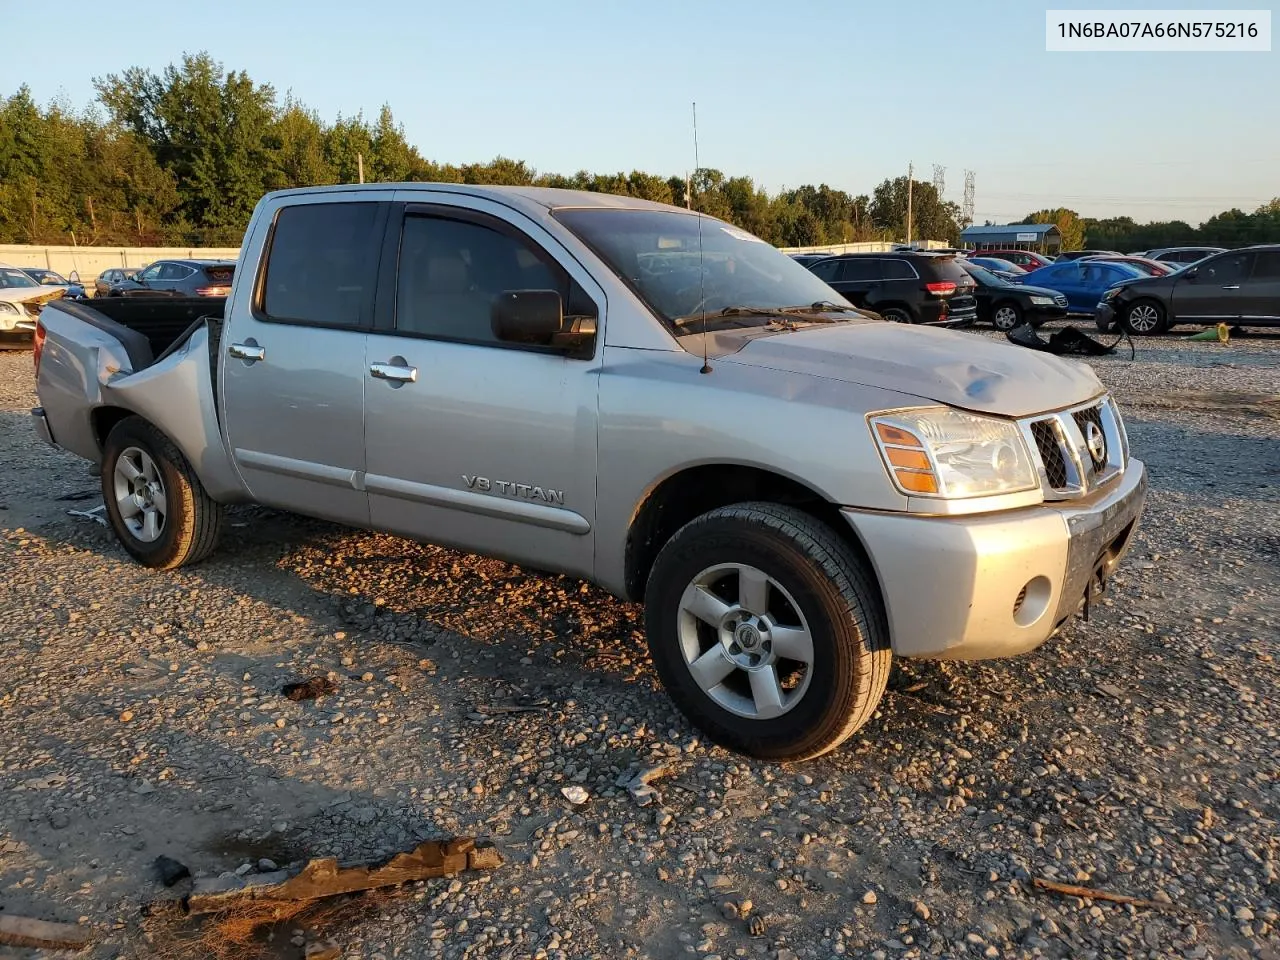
x,y
140,715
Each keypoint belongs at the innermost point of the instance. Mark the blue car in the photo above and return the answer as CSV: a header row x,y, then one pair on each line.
x,y
1082,282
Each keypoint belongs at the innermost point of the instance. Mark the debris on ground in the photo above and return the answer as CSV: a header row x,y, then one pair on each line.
x,y
170,870
309,689
18,931
98,514
1090,893
484,711
327,949
324,878
575,794
640,785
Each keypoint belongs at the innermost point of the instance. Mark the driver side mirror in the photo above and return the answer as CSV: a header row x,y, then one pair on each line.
x,y
536,318
1191,274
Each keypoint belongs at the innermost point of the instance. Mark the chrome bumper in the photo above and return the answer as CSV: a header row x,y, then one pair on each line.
x,y
975,587
41,423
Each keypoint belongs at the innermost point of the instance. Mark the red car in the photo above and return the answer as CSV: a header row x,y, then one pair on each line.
x,y
1026,259
1155,268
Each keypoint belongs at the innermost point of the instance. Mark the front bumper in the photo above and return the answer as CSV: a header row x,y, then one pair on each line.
x,y
996,585
1104,315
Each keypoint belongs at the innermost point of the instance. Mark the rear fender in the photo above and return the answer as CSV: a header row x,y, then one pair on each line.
x,y
177,396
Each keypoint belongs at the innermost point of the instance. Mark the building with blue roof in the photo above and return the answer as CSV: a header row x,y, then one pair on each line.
x,y
1043,238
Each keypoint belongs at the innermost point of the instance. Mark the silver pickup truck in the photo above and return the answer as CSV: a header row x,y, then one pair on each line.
x,y
621,391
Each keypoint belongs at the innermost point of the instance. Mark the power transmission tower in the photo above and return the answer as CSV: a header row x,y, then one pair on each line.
x,y
966,209
939,180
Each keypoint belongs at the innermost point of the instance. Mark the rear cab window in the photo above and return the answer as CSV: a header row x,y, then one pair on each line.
x,y
321,264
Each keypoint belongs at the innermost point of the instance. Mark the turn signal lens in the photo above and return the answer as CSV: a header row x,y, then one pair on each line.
x,y
916,482
896,436
913,459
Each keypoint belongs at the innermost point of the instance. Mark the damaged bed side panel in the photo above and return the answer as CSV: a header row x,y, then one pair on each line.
x,y
176,394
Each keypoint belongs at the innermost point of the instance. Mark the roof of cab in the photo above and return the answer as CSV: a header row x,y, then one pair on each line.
x,y
548,198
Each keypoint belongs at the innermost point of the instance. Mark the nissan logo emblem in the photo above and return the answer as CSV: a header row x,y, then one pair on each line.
x,y
1096,442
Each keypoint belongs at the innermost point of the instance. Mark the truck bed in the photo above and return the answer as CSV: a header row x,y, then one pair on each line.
x,y
148,328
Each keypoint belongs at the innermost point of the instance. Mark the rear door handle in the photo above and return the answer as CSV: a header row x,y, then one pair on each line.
x,y
1235,286
397,370
247,351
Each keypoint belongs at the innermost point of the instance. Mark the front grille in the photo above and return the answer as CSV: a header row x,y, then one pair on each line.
x,y
1071,462
1050,448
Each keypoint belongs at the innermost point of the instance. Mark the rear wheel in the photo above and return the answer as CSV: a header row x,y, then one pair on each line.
x,y
1006,316
767,631
157,506
1145,318
895,314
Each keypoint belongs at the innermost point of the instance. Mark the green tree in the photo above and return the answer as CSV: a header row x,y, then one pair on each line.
x,y
932,217
1067,221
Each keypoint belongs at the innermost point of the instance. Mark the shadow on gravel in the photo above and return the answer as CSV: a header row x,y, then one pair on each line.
x,y
1189,460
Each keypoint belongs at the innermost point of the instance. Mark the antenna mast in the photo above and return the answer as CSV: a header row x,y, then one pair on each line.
x,y
910,170
966,209
702,272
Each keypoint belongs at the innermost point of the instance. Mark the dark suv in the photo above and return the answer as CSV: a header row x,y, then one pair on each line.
x,y
908,287
179,278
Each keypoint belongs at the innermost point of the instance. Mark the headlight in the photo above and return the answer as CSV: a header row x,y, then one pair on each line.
x,y
1042,301
946,453
6,307
1110,294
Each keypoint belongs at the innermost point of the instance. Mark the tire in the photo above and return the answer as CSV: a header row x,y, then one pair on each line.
x,y
158,508
1006,316
1145,318
813,582
895,315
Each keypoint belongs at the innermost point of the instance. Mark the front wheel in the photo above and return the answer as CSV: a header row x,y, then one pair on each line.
x,y
1006,316
159,509
767,631
1145,318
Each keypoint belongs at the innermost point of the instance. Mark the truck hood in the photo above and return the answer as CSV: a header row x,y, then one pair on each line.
x,y
957,369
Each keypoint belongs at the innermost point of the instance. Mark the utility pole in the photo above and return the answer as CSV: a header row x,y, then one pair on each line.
x,y
910,171
360,165
688,193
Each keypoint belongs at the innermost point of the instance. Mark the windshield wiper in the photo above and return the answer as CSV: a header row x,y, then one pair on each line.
x,y
820,306
726,312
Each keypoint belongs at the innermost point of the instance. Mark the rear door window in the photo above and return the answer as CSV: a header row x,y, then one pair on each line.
x,y
860,269
1266,266
321,267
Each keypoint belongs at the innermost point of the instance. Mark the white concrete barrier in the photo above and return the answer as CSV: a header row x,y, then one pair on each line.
x,y
91,261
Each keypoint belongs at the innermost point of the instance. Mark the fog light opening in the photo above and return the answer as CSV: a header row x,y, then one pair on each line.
x,y
1032,602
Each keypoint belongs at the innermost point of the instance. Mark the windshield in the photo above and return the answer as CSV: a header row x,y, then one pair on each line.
x,y
11,278
656,252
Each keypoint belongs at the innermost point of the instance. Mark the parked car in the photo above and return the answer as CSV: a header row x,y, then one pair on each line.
x,y
1026,259
178,278
487,368
1069,255
50,278
1006,305
1152,268
808,259
998,266
1082,281
110,277
904,287
1238,287
21,300
1184,255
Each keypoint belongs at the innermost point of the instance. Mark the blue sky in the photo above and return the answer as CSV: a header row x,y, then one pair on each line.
x,y
845,92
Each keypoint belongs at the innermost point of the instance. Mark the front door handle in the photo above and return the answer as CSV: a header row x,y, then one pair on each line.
x,y
397,370
1235,286
247,351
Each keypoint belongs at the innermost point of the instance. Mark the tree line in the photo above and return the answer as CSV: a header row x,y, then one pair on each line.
x,y
180,157
1231,228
